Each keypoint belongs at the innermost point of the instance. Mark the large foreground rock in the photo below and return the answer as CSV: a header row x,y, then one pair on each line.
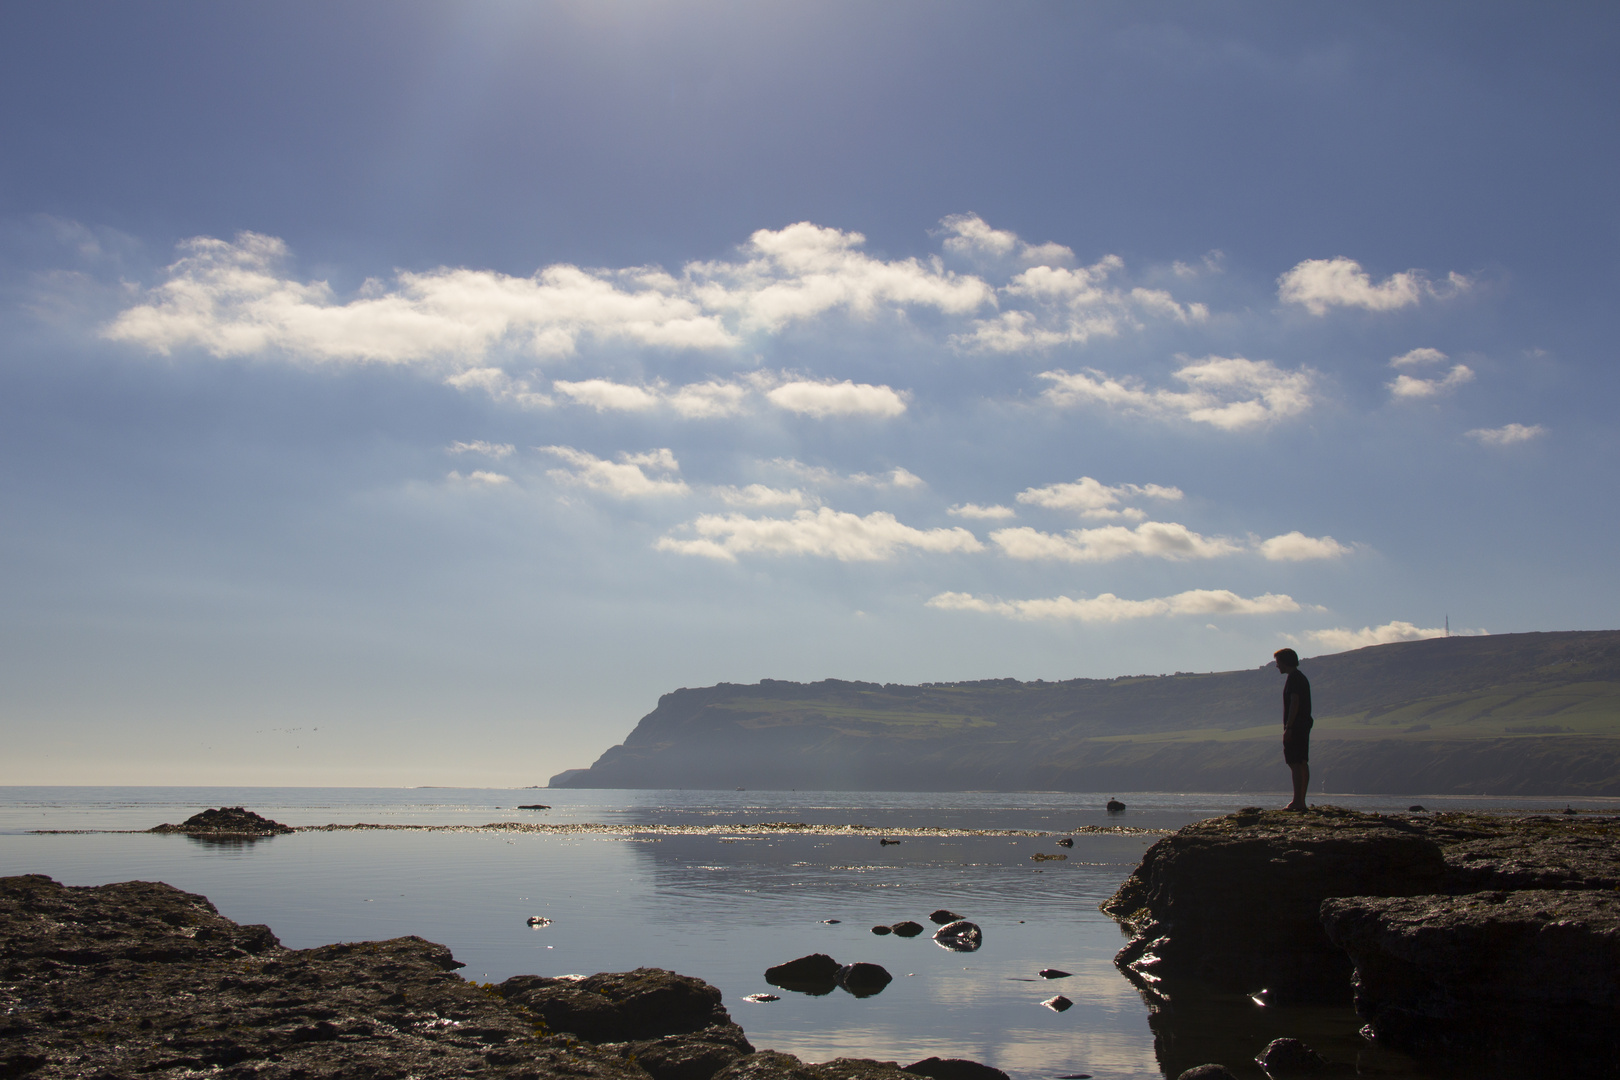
x,y
1528,975
1459,936
141,979
1232,902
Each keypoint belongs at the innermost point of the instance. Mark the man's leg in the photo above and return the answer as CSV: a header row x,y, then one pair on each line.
x,y
1302,779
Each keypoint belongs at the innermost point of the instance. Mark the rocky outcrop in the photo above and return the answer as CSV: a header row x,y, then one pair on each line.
x,y
140,978
1454,934
1232,902
226,821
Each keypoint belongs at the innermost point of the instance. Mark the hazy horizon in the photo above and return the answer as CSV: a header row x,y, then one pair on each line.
x,y
410,394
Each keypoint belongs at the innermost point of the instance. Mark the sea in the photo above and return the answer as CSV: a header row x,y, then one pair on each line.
x,y
702,893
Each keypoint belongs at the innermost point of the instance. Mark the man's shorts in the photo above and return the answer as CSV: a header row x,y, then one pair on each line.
x,y
1297,743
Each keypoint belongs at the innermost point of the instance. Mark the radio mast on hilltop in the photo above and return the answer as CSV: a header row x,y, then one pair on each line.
x,y
1448,624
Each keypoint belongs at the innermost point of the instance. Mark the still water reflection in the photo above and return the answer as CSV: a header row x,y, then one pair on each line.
x,y
720,907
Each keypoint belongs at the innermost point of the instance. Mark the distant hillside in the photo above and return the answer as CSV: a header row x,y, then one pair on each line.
x,y
1511,714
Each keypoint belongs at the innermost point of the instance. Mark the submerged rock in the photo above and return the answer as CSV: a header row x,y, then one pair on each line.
x,y
1054,973
1115,806
1059,1003
907,928
941,916
880,931
1208,1072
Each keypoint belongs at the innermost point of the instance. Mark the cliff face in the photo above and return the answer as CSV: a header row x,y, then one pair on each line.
x,y
1510,714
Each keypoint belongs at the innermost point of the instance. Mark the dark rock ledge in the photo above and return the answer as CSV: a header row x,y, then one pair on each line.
x,y
1477,941
141,979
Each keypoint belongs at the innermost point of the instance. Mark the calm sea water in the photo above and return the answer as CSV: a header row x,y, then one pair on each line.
x,y
725,907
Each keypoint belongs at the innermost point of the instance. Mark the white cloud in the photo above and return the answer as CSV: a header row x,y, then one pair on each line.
x,y
233,299
479,446
712,399
603,395
982,513
825,532
1213,262
624,478
1230,393
1412,388
1297,547
1508,435
1151,539
804,270
480,478
971,237
1417,356
1344,639
1094,499
240,298
500,386
705,400
820,476
1108,608
901,478
1340,282
1072,306
761,495
824,399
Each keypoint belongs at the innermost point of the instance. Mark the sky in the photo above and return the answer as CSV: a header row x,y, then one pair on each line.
x,y
410,393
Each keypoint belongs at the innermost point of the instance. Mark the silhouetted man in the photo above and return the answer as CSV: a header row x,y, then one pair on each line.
x,y
1297,723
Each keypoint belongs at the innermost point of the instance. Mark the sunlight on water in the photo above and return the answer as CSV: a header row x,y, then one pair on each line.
x,y
721,907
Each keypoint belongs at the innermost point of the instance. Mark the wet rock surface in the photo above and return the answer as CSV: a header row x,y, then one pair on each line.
x,y
814,974
1450,931
960,936
140,978
1290,1057
226,821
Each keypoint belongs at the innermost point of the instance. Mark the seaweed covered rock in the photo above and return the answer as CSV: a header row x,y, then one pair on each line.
x,y
226,821
646,1003
140,978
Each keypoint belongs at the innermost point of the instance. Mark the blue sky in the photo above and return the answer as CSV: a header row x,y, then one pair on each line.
x,y
411,393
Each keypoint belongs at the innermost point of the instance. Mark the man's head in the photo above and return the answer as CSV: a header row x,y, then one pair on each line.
x,y
1287,659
